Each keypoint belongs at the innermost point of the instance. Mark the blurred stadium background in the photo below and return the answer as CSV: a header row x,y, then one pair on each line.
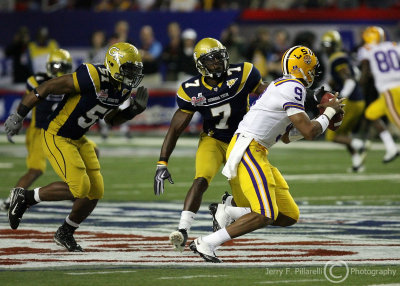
x,y
258,31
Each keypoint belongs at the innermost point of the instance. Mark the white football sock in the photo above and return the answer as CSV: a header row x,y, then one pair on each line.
x,y
236,212
71,223
217,238
388,141
356,144
187,218
36,195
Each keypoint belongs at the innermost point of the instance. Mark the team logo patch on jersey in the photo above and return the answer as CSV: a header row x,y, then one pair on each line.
x,y
199,100
231,82
102,95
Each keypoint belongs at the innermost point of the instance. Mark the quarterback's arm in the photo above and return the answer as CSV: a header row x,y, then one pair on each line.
x,y
179,122
261,87
59,85
310,129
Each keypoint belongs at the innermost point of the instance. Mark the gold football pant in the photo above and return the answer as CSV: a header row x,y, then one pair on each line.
x,y
36,158
262,186
387,104
76,163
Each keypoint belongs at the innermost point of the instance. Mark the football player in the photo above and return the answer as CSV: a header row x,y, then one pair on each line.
x,y
220,93
380,60
263,197
343,80
59,62
93,91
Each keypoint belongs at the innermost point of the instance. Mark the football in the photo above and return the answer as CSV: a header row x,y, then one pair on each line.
x,y
336,120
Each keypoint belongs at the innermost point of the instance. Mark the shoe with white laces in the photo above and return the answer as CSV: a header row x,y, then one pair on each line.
x,y
178,239
390,156
17,207
202,248
220,218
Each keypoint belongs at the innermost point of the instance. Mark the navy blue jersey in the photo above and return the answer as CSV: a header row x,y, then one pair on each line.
x,y
42,111
337,61
222,107
96,96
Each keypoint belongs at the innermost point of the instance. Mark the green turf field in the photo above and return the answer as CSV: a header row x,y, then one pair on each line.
x,y
315,176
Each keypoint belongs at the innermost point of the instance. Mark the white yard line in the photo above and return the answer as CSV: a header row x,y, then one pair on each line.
x,y
99,272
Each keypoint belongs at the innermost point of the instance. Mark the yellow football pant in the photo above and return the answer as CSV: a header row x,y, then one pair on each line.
x,y
76,163
387,104
36,158
353,111
262,186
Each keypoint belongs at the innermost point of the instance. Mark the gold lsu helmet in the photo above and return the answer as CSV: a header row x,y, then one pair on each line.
x,y
300,62
209,51
124,63
373,35
59,62
332,40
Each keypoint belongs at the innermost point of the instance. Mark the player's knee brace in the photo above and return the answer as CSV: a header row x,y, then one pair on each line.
x,y
96,185
80,187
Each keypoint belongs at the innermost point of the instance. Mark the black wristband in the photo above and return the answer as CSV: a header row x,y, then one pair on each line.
x,y
23,110
36,93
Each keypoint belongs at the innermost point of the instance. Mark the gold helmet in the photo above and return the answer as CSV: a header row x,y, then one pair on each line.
x,y
124,63
211,58
332,40
301,63
373,35
59,62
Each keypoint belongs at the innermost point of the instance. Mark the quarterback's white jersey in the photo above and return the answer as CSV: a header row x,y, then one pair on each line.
x,y
384,61
268,119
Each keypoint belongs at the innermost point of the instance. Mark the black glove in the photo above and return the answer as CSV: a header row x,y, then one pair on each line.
x,y
161,174
140,101
12,125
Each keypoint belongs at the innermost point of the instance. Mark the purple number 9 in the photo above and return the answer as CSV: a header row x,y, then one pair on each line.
x,y
298,91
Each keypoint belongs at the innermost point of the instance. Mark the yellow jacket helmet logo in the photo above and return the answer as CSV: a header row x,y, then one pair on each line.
x,y
373,35
300,62
59,62
124,63
207,52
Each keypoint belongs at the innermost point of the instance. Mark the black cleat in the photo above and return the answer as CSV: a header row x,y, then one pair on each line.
x,y
213,210
225,196
17,207
204,250
64,237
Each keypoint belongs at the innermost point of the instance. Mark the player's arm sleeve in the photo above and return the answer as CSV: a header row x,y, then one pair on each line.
x,y
184,101
253,76
86,79
293,95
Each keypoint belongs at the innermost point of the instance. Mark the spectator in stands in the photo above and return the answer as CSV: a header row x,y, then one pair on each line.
x,y
121,31
187,68
259,50
39,50
280,45
150,50
172,52
98,47
184,5
234,43
17,51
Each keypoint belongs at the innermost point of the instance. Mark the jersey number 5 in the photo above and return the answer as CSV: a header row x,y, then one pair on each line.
x,y
225,111
91,116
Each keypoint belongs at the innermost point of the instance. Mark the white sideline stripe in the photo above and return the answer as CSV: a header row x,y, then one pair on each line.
x,y
290,281
99,272
6,165
193,276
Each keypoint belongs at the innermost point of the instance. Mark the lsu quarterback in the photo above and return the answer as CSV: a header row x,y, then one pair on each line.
x,y
220,93
263,197
93,91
